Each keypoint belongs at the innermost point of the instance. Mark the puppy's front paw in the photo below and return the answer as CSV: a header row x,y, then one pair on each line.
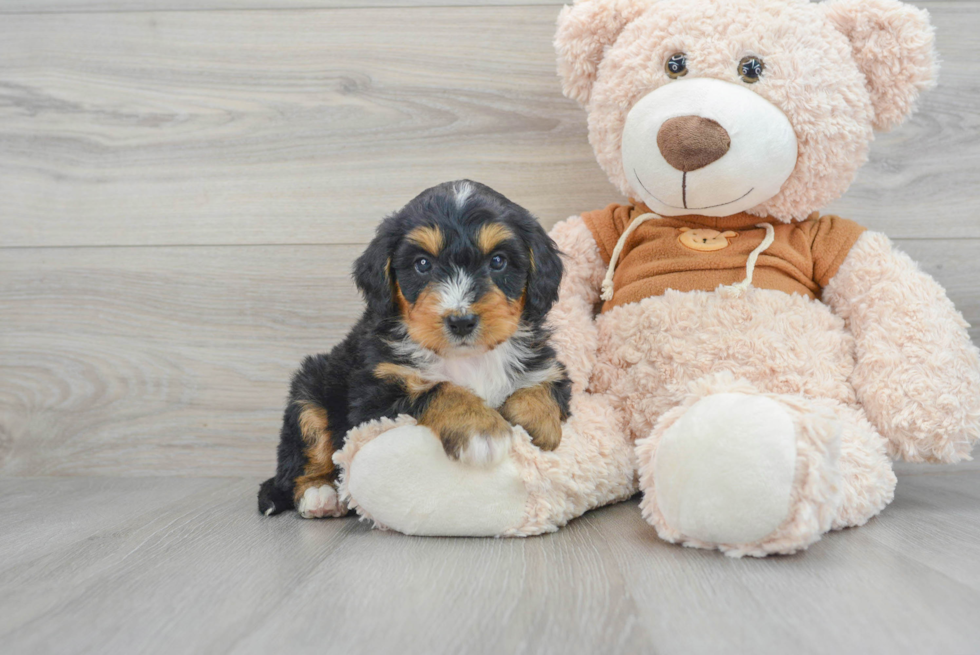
x,y
535,410
320,502
469,430
545,432
484,450
477,439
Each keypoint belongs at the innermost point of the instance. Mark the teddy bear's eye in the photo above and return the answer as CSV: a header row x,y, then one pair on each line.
x,y
676,66
750,69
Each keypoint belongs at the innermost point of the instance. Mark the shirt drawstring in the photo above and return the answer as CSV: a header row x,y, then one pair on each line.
x,y
754,257
607,282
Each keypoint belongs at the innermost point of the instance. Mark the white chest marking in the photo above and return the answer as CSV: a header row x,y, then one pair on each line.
x,y
492,375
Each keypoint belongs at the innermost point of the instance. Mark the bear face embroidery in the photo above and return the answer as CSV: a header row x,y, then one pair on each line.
x,y
705,240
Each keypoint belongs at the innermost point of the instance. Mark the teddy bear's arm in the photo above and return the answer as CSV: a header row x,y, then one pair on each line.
x,y
917,373
572,317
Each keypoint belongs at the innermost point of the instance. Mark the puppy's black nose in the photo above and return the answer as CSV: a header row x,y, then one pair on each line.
x,y
460,326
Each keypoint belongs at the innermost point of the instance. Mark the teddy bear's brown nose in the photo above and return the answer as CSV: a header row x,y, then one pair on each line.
x,y
692,142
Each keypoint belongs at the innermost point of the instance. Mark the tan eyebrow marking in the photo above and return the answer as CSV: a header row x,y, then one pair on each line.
x,y
492,235
428,238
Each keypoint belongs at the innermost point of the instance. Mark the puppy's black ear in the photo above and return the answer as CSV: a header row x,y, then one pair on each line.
x,y
545,273
373,274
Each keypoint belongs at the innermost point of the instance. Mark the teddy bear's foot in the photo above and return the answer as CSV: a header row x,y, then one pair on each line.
x,y
397,474
747,473
404,481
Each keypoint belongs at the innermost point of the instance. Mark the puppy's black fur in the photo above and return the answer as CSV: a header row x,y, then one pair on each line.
x,y
459,270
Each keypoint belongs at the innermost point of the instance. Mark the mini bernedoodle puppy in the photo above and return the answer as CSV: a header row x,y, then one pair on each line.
x,y
457,284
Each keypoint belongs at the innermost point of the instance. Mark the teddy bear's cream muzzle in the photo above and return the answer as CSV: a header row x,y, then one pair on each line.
x,y
705,146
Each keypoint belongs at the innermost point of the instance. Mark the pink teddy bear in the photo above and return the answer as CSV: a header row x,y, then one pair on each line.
x,y
754,365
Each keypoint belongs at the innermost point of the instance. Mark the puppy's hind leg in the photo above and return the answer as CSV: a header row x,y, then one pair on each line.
x,y
305,478
313,427
314,491
276,493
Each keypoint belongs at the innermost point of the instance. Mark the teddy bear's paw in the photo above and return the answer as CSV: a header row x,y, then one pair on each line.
x,y
320,502
404,480
724,471
484,450
748,474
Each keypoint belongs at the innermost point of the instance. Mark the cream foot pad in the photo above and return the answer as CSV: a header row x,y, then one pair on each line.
x,y
403,480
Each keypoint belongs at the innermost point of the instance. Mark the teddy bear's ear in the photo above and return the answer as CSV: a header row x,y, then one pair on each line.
x,y
893,45
585,29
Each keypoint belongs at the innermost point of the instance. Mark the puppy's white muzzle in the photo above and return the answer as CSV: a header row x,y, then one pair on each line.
x,y
759,158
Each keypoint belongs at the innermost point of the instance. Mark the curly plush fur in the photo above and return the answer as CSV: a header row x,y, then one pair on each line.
x,y
917,377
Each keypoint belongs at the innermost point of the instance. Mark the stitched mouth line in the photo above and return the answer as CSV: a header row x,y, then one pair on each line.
x,y
684,193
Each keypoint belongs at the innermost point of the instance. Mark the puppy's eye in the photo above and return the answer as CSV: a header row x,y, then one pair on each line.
x,y
676,66
423,265
498,262
750,69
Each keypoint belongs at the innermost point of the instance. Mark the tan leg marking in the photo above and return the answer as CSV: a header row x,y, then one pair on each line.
x,y
319,469
458,415
413,383
535,409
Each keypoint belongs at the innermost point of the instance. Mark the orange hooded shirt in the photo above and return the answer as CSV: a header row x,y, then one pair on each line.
x,y
699,253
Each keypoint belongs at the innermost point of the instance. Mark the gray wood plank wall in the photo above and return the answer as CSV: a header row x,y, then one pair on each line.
x,y
182,193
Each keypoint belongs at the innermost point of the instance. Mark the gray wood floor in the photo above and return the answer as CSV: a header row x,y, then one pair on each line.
x,y
170,565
